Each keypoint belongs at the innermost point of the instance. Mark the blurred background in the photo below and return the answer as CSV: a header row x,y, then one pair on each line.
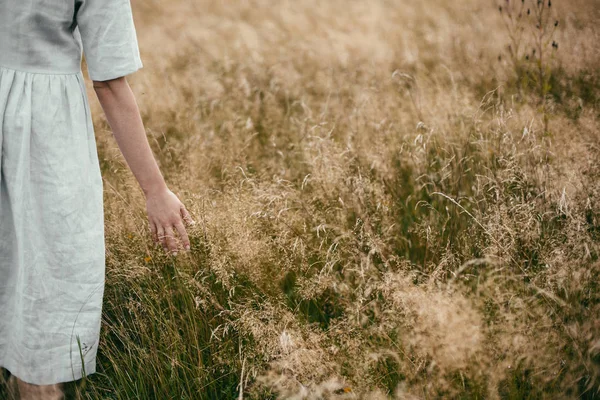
x,y
395,199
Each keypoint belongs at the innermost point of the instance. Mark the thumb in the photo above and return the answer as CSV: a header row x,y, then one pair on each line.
x,y
186,215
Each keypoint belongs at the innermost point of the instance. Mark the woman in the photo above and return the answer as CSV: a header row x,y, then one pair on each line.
x,y
51,211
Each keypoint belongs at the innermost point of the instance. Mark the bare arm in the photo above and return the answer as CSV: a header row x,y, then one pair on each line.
x,y
165,210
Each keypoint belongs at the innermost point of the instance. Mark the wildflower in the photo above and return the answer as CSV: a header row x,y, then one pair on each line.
x,y
147,259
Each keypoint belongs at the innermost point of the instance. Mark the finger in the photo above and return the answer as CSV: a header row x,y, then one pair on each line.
x,y
170,239
186,215
161,236
153,232
185,240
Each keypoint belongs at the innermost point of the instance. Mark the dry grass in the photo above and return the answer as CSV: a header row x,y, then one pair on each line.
x,y
381,212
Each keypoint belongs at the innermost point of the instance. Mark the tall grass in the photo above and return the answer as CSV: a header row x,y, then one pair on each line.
x,y
383,211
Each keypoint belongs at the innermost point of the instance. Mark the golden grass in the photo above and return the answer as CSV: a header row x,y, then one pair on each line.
x,y
381,213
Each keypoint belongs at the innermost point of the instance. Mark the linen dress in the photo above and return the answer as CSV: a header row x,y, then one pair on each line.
x,y
52,254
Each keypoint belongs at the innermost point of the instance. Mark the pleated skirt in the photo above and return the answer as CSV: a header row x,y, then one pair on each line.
x,y
52,255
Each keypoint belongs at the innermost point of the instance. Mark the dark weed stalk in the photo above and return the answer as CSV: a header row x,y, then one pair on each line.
x,y
531,26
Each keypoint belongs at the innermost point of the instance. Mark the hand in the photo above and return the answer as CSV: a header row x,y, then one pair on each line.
x,y
165,212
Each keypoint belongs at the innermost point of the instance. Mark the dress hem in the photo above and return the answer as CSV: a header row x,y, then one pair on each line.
x,y
51,376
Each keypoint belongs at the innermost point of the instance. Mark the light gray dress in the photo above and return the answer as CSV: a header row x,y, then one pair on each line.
x,y
52,259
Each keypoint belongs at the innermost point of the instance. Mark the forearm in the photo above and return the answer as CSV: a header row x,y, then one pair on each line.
x,y
123,116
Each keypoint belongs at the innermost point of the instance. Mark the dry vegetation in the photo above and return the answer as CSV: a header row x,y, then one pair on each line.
x,y
386,207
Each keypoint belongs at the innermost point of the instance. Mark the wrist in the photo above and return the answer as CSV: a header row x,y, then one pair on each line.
x,y
155,187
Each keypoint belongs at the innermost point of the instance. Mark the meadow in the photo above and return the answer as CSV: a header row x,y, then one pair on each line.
x,y
390,201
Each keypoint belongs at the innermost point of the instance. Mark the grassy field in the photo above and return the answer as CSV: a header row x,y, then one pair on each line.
x,y
391,203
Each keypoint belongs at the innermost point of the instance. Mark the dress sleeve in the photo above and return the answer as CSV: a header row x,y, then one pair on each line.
x,y
108,37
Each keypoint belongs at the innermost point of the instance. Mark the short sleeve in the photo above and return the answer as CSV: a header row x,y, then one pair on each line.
x,y
108,37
